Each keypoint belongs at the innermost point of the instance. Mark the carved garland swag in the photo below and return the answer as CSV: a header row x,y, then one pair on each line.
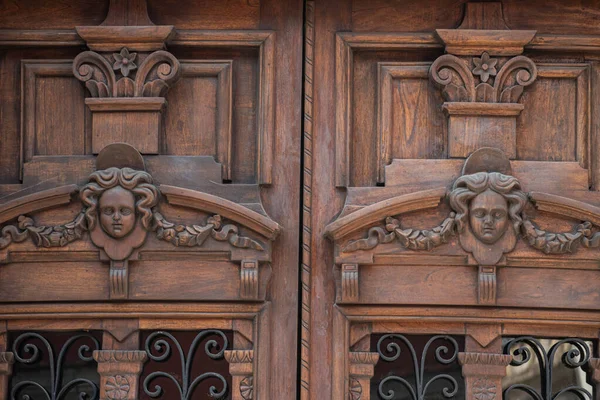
x,y
146,195
497,229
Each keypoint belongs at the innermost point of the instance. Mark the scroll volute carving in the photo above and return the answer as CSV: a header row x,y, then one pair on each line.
x,y
120,209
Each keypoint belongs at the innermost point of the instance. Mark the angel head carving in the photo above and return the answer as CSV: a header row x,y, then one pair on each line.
x,y
116,197
487,202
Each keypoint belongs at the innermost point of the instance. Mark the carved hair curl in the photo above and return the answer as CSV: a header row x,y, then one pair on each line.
x,y
138,182
468,186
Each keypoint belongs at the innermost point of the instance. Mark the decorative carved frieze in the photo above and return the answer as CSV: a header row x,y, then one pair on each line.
x,y
120,209
487,216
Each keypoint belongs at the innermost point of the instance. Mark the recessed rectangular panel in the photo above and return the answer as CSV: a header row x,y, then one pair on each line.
x,y
190,119
553,126
59,116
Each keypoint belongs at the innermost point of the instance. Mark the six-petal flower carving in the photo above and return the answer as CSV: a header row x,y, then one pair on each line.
x,y
124,61
485,66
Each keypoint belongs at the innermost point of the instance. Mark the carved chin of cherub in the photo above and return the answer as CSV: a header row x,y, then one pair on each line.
x,y
117,212
488,216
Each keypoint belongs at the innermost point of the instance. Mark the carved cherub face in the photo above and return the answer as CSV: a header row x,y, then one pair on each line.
x,y
488,216
117,212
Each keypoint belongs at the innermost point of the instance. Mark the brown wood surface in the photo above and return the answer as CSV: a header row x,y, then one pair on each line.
x,y
304,214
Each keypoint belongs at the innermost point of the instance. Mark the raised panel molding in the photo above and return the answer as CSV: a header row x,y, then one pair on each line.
x,y
32,71
221,70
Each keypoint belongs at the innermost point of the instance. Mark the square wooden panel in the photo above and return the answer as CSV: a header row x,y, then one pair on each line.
x,y
53,113
201,105
562,95
409,123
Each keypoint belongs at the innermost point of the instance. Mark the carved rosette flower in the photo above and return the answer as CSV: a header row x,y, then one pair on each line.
x,y
485,66
484,389
117,387
247,388
124,61
354,390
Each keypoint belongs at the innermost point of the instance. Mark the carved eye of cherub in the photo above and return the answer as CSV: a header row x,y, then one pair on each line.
x,y
117,212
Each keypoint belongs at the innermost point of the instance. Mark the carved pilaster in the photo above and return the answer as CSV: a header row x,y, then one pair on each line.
x,y
119,373
350,292
249,279
241,370
6,362
362,368
487,285
483,373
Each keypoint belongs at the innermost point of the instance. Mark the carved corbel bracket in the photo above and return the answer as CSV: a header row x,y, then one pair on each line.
x,y
119,372
483,373
249,280
241,368
362,369
487,284
350,281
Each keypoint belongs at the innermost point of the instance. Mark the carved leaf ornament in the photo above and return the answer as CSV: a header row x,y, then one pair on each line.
x,y
459,83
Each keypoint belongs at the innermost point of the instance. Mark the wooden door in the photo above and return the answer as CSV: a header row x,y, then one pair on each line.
x,y
451,154
267,199
150,192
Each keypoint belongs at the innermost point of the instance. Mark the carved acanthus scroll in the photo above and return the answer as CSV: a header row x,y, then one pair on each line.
x,y
460,80
155,74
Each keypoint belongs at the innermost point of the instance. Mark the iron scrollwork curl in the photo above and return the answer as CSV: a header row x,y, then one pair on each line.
x,y
58,390
523,348
443,354
158,342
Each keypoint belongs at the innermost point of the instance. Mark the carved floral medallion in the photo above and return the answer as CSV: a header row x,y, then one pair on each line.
x,y
117,387
484,389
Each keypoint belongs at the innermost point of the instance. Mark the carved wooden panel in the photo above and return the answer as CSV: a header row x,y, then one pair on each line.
x,y
43,127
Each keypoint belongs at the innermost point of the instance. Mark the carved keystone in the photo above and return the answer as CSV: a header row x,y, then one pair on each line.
x,y
483,373
362,369
241,370
119,373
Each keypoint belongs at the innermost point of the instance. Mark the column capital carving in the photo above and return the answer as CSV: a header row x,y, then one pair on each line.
x,y
484,364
